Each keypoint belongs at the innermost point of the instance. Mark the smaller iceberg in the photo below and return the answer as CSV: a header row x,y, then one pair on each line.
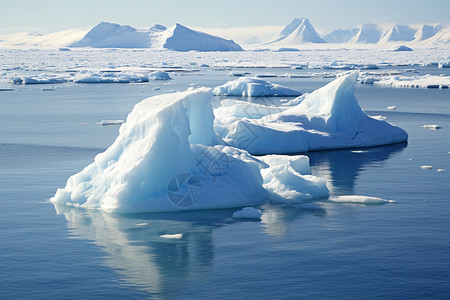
x,y
159,75
328,118
253,87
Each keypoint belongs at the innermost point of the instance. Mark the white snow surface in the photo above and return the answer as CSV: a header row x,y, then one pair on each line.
x,y
328,118
161,161
253,87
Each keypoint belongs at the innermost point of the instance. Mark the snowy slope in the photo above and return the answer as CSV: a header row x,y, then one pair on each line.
x,y
426,31
368,33
181,38
57,39
398,33
340,35
299,31
442,36
110,35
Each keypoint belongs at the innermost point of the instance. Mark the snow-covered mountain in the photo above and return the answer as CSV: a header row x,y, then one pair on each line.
x,y
340,35
367,33
299,31
426,31
110,35
181,38
398,33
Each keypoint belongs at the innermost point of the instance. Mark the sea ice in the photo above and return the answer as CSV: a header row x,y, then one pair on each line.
x,y
432,126
328,118
109,77
172,236
247,213
159,75
426,167
111,122
359,199
253,87
425,81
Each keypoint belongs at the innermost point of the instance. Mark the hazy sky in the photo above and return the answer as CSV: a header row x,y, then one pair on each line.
x,y
46,16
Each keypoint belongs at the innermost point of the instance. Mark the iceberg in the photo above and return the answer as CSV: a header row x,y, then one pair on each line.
x,y
253,87
328,118
167,157
159,75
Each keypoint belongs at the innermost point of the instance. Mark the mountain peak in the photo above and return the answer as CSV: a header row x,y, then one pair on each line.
x,y
298,31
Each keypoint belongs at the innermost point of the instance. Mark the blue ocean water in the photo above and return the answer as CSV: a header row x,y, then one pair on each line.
x,y
317,250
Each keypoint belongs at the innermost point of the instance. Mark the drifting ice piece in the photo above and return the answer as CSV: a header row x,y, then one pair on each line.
x,y
253,87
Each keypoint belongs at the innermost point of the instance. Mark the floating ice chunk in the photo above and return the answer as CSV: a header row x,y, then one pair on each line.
x,y
176,236
247,213
426,167
156,88
426,81
359,199
393,107
432,126
141,224
237,74
48,89
328,118
444,64
289,179
37,79
441,170
266,75
109,77
159,75
253,87
111,122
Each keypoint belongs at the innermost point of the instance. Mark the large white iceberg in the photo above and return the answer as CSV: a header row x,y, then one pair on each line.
x,y
167,157
253,87
328,118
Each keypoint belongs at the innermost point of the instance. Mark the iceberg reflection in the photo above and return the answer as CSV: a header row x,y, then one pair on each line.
x,y
341,168
136,250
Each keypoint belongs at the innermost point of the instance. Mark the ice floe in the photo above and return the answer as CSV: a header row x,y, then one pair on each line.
x,y
253,87
425,81
359,199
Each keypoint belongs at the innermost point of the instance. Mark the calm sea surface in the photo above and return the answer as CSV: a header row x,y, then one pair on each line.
x,y
317,250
